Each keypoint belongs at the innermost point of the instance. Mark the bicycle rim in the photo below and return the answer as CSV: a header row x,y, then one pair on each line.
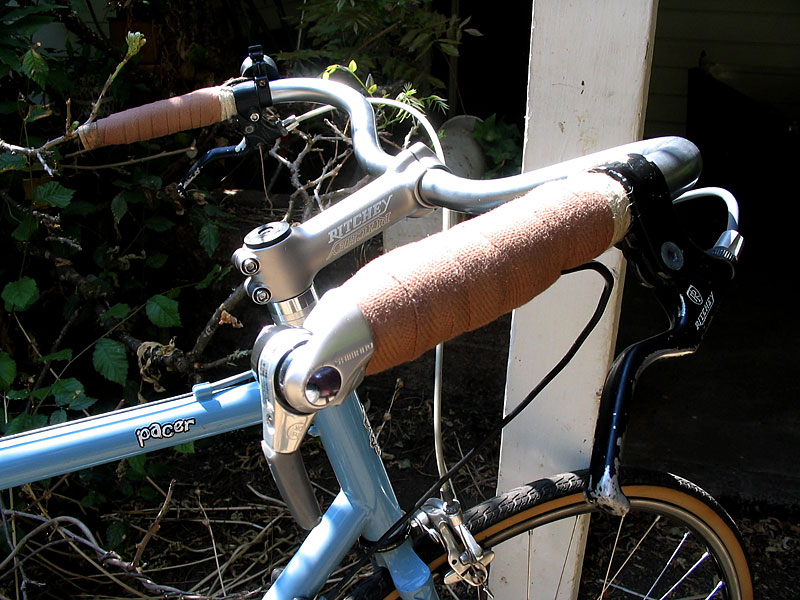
x,y
676,543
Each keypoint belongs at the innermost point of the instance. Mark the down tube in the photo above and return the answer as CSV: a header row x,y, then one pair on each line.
x,y
209,410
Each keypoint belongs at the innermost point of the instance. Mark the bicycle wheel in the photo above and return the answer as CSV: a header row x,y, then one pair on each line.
x,y
676,542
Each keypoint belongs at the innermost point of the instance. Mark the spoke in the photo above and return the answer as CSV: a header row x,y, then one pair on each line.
x,y
713,593
608,582
685,575
530,552
567,555
669,562
644,597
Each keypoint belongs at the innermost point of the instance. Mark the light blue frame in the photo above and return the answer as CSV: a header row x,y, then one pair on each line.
x,y
366,505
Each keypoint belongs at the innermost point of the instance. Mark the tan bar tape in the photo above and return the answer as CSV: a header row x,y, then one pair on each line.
x,y
195,109
433,290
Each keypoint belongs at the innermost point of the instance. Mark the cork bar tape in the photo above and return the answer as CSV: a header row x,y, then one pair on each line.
x,y
195,109
433,290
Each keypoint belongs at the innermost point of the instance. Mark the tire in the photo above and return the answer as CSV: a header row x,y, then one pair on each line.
x,y
678,508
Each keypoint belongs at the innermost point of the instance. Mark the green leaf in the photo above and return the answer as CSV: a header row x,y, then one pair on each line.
x,y
10,160
58,416
448,48
8,107
116,534
10,62
8,370
25,229
65,354
53,193
20,12
163,311
41,393
80,208
35,66
67,391
150,182
119,206
216,272
110,360
209,237
82,402
70,393
118,311
20,295
37,112
137,463
185,448
25,422
156,261
159,224
352,66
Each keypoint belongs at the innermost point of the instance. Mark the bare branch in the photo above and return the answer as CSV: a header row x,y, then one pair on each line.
x,y
214,322
154,527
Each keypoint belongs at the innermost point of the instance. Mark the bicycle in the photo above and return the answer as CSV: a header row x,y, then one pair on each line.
x,y
529,229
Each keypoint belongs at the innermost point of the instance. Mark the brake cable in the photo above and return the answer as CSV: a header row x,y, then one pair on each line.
x,y
400,524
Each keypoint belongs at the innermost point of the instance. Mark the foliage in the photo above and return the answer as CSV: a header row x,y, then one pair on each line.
x,y
500,142
395,39
105,267
89,262
408,95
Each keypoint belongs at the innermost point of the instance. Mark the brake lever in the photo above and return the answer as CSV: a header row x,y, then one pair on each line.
x,y
260,133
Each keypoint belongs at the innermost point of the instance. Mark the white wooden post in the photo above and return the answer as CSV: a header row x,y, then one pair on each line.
x,y
587,90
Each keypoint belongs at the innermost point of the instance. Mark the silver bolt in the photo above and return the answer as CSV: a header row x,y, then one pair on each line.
x,y
261,295
250,266
254,117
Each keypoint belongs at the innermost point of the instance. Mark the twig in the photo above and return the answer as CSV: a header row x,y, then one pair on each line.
x,y
103,556
43,152
54,348
7,530
154,527
387,415
230,359
214,322
207,523
40,216
132,161
270,499
242,548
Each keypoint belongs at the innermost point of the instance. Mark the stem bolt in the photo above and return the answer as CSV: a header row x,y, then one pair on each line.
x,y
261,295
250,266
254,116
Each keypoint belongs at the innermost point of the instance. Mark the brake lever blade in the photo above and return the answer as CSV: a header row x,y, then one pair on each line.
x,y
241,149
261,132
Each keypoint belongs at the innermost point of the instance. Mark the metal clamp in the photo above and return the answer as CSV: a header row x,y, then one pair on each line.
x,y
443,522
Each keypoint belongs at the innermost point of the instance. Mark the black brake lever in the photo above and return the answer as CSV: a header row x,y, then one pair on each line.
x,y
262,133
